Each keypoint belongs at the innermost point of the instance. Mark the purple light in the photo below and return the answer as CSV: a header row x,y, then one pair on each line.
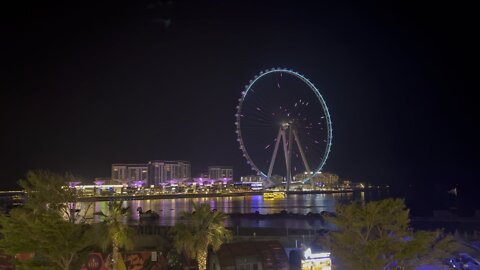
x,y
99,182
137,183
73,184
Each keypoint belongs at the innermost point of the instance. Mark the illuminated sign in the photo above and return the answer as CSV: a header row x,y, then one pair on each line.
x,y
316,261
317,264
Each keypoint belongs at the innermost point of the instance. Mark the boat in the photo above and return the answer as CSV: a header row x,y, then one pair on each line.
x,y
272,195
149,214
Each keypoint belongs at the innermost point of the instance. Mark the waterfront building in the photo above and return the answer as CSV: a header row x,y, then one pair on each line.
x,y
251,178
203,175
303,176
320,179
201,181
220,172
152,173
103,181
126,173
327,179
100,189
162,171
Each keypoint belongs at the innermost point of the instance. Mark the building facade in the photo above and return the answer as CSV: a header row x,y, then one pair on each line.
x,y
161,171
126,173
252,178
154,172
220,172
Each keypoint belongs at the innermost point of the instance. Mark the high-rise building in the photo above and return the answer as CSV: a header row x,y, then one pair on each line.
x,y
161,171
220,172
154,172
126,173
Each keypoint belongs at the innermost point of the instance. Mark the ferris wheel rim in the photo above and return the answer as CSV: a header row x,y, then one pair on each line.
x,y
312,87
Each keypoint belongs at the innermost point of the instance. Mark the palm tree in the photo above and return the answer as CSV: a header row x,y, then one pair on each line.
x,y
203,228
115,232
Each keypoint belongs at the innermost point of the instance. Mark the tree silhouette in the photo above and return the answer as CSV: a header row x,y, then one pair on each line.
x,y
376,235
203,228
115,233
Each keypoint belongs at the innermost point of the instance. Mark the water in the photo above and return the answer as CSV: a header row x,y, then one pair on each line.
x,y
170,210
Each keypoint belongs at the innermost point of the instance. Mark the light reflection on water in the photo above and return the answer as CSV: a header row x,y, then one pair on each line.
x,y
170,210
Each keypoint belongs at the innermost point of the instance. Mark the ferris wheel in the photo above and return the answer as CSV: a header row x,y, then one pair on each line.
x,y
280,107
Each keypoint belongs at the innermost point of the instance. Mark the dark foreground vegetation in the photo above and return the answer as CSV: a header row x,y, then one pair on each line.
x,y
48,232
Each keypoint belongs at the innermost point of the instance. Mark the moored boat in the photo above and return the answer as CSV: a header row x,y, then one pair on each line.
x,y
274,195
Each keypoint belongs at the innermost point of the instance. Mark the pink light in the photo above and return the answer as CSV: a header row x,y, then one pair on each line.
x,y
99,182
73,184
138,183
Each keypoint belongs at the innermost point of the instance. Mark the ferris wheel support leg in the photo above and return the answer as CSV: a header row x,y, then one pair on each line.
x,y
285,151
299,145
288,157
274,156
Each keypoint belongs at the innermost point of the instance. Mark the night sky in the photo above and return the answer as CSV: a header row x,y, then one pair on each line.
x,y
85,85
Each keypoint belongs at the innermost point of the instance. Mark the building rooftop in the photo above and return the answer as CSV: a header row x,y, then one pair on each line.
x,y
270,253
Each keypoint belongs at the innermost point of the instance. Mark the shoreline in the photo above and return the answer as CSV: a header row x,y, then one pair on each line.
x,y
205,195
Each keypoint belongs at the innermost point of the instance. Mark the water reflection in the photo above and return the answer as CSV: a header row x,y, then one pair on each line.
x,y
170,210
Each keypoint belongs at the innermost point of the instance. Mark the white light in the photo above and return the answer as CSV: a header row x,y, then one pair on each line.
x,y
321,255
307,253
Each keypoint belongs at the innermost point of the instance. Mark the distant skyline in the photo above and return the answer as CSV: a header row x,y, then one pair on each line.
x,y
86,85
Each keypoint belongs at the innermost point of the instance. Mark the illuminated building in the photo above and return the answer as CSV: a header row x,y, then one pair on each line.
x,y
155,172
220,172
252,178
321,179
161,171
125,173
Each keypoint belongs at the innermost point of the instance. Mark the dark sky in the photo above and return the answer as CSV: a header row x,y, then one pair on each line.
x,y
84,85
